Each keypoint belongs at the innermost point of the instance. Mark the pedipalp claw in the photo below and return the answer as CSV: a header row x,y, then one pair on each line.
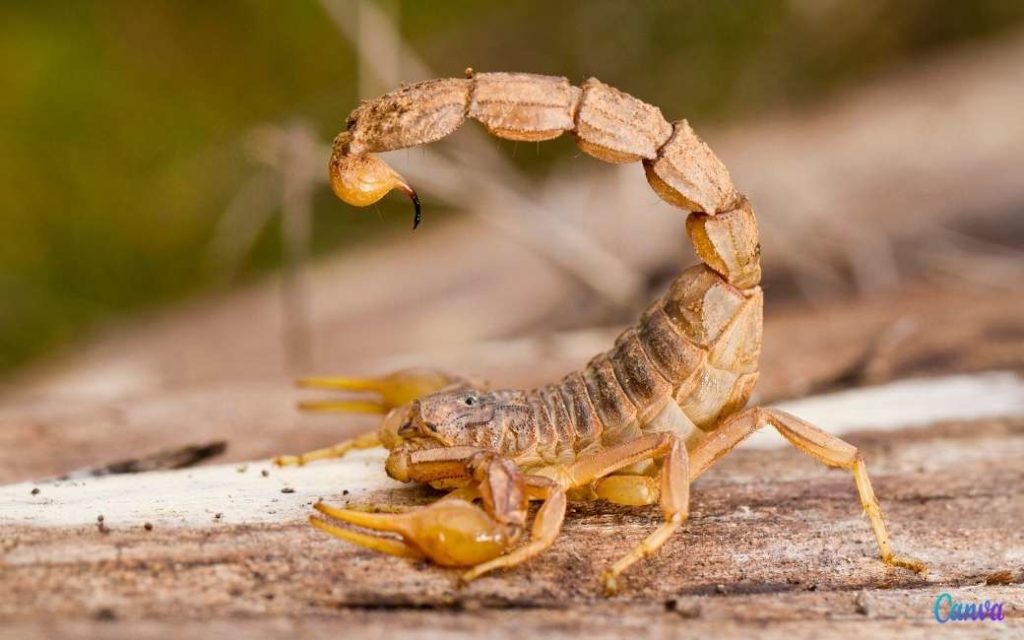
x,y
390,546
390,391
452,533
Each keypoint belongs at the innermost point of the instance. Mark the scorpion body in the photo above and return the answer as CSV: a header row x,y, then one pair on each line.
x,y
639,422
707,370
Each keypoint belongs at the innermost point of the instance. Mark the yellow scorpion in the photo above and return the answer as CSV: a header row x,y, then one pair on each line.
x,y
640,422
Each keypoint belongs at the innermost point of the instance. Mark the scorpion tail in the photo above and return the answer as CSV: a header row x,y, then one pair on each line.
x,y
728,243
608,124
363,180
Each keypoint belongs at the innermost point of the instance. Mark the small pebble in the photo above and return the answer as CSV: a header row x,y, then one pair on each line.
x,y
862,603
99,518
287,490
684,607
35,491
344,492
242,468
148,526
265,473
217,516
105,614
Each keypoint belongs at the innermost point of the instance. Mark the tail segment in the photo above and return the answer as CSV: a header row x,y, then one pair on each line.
x,y
608,124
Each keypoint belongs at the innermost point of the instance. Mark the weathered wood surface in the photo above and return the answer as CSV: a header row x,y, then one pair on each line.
x,y
774,540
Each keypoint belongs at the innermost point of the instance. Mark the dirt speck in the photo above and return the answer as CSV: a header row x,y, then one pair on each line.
x,y
684,607
287,490
105,614
265,473
35,491
862,603
148,526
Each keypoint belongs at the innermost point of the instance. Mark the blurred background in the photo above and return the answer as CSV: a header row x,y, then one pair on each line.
x,y
166,228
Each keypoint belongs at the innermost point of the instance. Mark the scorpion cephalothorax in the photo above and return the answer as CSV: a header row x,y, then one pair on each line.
x,y
639,422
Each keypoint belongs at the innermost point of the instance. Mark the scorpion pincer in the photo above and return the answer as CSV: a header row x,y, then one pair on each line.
x,y
635,426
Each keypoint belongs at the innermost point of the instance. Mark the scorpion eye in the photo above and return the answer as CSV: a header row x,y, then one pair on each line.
x,y
470,401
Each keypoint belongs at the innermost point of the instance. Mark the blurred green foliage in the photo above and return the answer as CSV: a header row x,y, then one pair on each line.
x,y
122,123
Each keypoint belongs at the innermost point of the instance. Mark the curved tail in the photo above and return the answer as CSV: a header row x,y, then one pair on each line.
x,y
608,124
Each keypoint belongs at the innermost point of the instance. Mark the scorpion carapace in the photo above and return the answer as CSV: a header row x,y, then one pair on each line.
x,y
639,422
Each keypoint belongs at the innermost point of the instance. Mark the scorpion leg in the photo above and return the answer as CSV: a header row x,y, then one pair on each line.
x,y
389,392
675,481
628,490
641,490
546,527
675,490
675,504
362,441
818,444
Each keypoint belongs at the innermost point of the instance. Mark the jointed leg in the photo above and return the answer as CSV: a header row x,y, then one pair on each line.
x,y
363,441
675,501
820,445
546,526
548,522
628,490
674,490
468,493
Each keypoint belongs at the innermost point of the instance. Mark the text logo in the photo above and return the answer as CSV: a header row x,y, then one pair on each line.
x,y
947,609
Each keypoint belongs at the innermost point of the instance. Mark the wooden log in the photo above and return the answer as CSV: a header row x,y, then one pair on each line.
x,y
774,539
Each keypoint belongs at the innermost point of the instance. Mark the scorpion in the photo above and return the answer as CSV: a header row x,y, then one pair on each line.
x,y
636,425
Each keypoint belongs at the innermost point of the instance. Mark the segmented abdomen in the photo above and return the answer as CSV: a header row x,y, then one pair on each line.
x,y
698,345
